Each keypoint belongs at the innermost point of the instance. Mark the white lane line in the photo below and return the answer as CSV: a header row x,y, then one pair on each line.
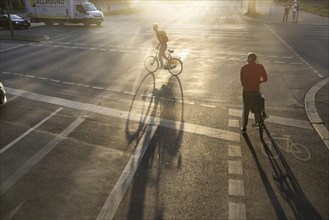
x,y
208,106
29,131
68,83
30,76
97,87
292,49
43,152
112,202
237,211
177,125
235,187
54,80
13,212
277,120
234,151
235,167
42,78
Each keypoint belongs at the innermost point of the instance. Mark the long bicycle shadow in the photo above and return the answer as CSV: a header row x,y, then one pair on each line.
x,y
285,180
162,107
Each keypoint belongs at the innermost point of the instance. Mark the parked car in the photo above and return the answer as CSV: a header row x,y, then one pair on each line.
x,y
17,21
3,98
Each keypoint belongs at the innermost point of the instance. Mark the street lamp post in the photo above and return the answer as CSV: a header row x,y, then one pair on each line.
x,y
9,19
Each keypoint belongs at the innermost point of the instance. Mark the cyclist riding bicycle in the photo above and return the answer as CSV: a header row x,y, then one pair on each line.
x,y
251,75
163,39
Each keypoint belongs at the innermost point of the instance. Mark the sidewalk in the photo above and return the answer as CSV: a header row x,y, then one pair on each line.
x,y
272,12
316,98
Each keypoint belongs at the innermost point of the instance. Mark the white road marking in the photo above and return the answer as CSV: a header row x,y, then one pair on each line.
x,y
208,106
237,211
235,167
186,127
234,151
112,202
235,187
233,123
43,152
292,49
42,78
277,120
54,80
29,131
13,212
68,83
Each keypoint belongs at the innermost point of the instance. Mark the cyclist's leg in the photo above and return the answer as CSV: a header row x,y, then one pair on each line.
x,y
162,50
246,108
263,106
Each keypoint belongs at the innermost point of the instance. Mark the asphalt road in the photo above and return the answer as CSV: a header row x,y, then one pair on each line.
x,y
88,133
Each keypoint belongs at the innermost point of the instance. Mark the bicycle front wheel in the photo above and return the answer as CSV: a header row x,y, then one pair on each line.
x,y
151,63
175,66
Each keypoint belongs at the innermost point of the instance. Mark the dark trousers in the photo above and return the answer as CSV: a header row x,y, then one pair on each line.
x,y
162,50
285,16
247,101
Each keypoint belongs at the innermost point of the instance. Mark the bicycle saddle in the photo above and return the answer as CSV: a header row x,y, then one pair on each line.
x,y
170,51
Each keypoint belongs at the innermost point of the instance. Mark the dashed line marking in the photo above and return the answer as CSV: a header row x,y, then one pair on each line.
x,y
233,123
68,83
208,106
42,78
235,167
235,187
96,87
29,76
234,151
54,80
237,211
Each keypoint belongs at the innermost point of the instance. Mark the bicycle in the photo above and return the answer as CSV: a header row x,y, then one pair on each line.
x,y
173,65
299,151
256,107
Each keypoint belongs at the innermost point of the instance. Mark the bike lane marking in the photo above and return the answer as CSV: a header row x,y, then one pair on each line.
x,y
235,182
186,127
276,120
29,131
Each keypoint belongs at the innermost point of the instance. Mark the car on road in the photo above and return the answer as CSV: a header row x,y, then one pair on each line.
x,y
3,98
17,21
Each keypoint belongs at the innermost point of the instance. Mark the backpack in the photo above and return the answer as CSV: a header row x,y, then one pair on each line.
x,y
164,36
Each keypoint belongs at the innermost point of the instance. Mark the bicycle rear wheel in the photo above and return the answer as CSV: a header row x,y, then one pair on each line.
x,y
151,64
175,66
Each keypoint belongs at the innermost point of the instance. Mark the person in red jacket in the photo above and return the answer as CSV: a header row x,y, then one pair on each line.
x,y
251,75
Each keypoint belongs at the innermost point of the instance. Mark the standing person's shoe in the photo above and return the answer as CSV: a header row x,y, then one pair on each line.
x,y
265,116
244,130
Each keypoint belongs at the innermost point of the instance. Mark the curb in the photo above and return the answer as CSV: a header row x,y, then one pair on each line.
x,y
312,113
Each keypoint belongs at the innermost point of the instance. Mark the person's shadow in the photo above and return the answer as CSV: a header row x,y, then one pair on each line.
x,y
285,180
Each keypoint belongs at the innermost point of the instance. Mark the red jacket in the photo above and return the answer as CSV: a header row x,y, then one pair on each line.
x,y
251,75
